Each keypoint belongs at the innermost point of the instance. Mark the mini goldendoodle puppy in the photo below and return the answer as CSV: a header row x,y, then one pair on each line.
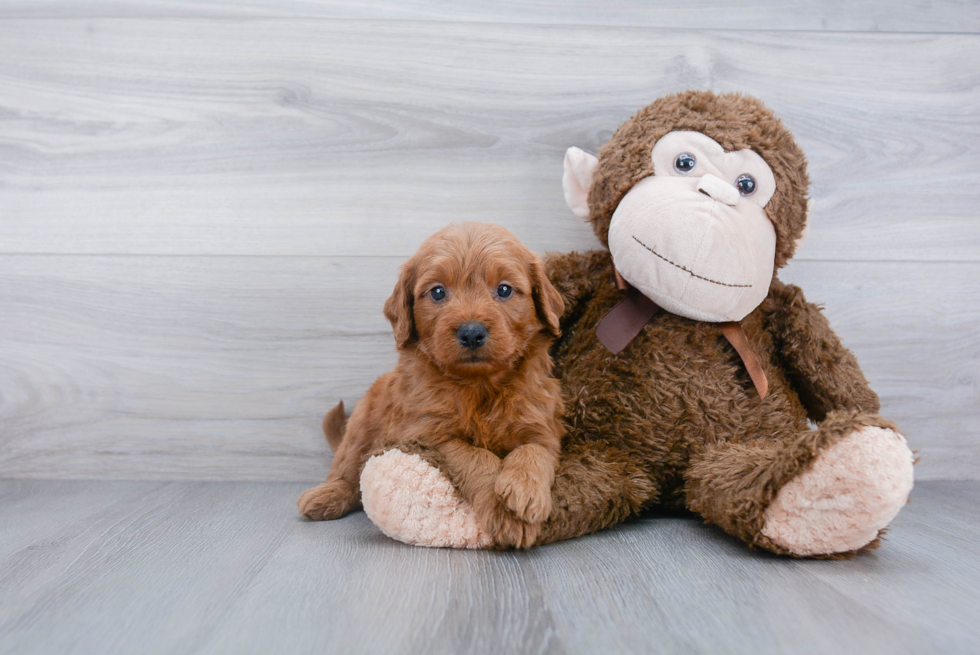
x,y
473,315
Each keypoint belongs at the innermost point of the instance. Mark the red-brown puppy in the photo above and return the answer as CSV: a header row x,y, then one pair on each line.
x,y
473,315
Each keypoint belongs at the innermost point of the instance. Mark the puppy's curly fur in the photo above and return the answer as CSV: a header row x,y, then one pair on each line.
x,y
491,412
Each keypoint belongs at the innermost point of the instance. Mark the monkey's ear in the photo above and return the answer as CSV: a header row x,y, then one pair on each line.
x,y
400,305
547,301
577,180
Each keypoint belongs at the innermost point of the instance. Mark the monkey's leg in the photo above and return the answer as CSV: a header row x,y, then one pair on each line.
x,y
823,492
596,486
410,499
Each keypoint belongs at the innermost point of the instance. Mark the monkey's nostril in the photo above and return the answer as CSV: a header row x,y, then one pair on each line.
x,y
718,189
472,335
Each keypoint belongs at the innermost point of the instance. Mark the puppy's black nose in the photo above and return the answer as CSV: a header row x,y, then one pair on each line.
x,y
472,335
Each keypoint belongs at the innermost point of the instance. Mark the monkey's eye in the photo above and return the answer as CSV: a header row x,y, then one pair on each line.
x,y
746,184
685,163
504,290
437,293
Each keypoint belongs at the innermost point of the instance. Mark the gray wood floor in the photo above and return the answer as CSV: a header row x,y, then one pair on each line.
x,y
225,567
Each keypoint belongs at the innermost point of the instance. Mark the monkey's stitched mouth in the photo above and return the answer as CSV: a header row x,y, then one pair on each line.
x,y
689,271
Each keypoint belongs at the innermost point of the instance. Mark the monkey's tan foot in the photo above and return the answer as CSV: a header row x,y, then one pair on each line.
x,y
413,502
330,500
528,498
847,495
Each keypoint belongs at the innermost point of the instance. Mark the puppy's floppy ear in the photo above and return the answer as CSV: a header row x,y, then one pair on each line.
x,y
399,308
547,301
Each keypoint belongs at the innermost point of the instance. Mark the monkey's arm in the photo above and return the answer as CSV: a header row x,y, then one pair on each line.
x,y
576,275
824,373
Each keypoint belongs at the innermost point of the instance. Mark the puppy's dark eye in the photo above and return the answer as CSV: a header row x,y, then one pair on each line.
x,y
437,293
504,291
685,163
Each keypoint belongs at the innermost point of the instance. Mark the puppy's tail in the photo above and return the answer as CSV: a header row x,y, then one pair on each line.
x,y
334,425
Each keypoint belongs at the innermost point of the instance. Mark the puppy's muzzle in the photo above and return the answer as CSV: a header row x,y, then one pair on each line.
x,y
472,335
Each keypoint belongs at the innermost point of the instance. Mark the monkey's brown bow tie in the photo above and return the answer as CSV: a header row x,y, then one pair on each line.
x,y
623,322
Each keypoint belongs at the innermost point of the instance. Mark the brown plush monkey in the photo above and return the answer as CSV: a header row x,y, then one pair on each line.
x,y
689,370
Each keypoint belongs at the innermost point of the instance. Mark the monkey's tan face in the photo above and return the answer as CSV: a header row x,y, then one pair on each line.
x,y
694,237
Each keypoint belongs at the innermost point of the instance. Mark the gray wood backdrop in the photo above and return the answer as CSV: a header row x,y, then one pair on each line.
x,y
203,205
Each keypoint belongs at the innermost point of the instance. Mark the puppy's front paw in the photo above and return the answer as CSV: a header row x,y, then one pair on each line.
x,y
330,500
508,531
523,495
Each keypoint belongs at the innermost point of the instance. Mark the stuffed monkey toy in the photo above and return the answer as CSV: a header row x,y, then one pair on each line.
x,y
693,378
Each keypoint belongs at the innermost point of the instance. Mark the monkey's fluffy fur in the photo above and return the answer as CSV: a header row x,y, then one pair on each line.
x,y
673,419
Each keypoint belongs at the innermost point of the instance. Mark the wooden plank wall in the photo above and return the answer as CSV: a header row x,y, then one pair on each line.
x,y
203,205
